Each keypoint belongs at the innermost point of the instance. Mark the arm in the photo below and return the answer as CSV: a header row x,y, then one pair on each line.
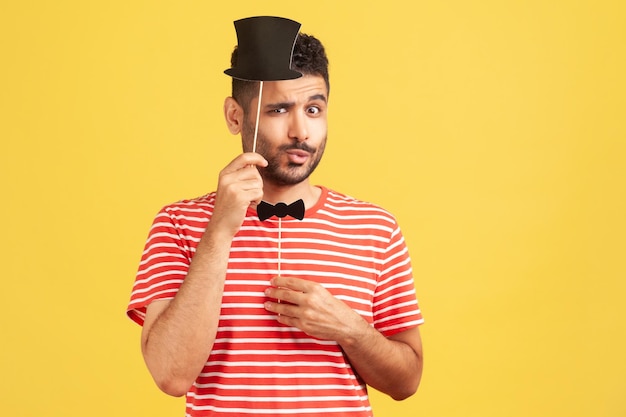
x,y
391,365
178,334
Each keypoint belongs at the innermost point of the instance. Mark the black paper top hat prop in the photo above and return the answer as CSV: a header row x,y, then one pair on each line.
x,y
264,48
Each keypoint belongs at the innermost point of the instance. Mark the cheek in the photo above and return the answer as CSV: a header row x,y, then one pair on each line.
x,y
247,135
273,127
319,130
318,139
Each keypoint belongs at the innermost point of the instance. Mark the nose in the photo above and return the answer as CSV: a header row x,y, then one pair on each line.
x,y
298,127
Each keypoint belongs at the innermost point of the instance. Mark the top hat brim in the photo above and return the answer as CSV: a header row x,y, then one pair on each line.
x,y
258,74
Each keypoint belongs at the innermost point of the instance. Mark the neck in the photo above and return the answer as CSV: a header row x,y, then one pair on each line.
x,y
289,193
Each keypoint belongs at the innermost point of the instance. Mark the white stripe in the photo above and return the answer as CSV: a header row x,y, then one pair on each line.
x,y
407,325
159,284
292,272
349,235
398,265
160,265
240,375
153,296
158,255
279,399
150,247
305,262
255,411
202,219
393,287
394,317
397,306
183,226
252,340
151,278
310,251
262,329
319,241
235,387
394,297
276,352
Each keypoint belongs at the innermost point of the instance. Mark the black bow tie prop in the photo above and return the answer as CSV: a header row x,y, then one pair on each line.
x,y
280,210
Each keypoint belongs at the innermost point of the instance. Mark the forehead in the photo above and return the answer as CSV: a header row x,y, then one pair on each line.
x,y
299,89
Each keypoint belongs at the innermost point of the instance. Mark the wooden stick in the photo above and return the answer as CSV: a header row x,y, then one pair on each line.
x,y
258,113
280,232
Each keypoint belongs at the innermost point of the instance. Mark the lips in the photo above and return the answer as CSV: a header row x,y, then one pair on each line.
x,y
297,156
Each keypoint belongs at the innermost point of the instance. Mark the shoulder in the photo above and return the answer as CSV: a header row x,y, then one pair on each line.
x,y
193,209
206,201
345,205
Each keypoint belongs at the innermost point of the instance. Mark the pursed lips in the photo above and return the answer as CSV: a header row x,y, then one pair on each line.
x,y
297,155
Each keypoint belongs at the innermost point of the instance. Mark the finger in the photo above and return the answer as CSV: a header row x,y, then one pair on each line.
x,y
282,309
246,178
297,284
240,185
284,295
244,160
248,181
288,321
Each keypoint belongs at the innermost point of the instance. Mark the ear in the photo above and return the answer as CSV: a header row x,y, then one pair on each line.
x,y
233,113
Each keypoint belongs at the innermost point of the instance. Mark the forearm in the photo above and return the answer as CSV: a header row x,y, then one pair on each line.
x,y
178,336
390,366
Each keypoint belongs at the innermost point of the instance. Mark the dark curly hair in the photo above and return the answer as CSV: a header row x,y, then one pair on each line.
x,y
309,57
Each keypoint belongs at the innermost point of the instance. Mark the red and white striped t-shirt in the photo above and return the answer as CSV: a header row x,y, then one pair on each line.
x,y
259,366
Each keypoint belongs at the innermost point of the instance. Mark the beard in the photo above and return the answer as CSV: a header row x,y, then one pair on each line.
x,y
277,171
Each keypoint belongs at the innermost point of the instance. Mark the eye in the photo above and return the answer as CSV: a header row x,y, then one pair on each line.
x,y
313,110
276,111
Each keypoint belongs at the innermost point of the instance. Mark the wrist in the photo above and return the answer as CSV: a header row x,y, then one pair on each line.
x,y
356,333
218,232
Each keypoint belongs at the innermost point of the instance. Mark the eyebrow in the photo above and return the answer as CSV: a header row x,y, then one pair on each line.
x,y
318,97
290,104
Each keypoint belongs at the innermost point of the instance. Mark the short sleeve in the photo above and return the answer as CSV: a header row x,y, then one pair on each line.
x,y
395,303
163,267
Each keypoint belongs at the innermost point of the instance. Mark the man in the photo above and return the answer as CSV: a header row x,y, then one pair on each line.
x,y
281,316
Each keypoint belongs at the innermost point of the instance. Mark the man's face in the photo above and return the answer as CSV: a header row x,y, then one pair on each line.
x,y
292,128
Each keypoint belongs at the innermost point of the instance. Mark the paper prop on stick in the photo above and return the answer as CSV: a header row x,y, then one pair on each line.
x,y
264,49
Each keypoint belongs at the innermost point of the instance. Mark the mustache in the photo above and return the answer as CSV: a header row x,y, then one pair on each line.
x,y
301,146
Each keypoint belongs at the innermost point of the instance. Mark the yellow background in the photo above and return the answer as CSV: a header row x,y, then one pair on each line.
x,y
494,130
